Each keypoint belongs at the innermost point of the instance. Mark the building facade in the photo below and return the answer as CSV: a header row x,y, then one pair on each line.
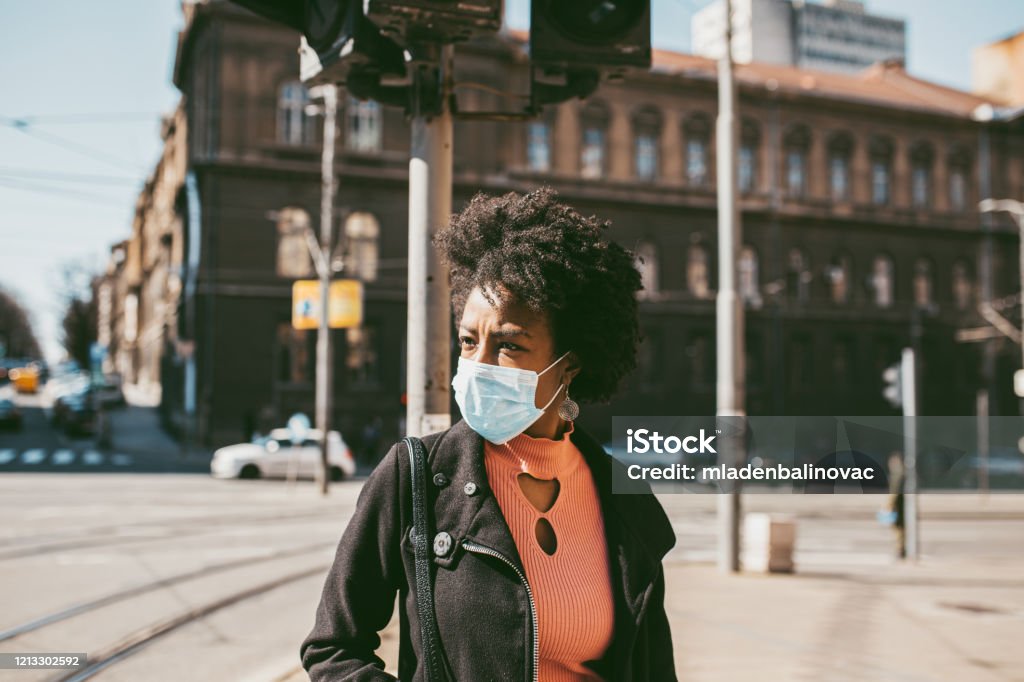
x,y
836,35
861,233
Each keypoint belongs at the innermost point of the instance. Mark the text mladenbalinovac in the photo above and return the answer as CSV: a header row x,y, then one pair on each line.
x,y
749,472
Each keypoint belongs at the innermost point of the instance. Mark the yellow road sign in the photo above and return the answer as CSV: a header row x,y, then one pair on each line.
x,y
344,306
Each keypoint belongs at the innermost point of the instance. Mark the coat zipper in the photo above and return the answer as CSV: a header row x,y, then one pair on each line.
x,y
480,549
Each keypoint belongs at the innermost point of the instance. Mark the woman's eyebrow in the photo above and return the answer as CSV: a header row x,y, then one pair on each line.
x,y
506,333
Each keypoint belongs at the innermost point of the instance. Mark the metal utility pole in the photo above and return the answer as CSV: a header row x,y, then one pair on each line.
x,y
430,207
908,386
324,364
731,397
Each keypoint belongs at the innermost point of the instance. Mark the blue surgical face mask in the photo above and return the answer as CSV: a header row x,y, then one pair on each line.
x,y
498,402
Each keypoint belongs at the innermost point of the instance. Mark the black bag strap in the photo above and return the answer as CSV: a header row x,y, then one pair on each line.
x,y
433,654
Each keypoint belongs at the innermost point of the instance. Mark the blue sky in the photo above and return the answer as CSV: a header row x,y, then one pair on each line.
x,y
96,75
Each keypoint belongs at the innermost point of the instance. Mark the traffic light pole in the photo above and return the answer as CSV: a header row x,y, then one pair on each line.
x,y
908,386
731,399
428,345
324,364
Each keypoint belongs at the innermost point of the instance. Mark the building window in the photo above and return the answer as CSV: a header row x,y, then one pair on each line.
x,y
294,354
958,162
748,284
362,234
923,282
921,156
697,271
957,189
840,146
646,261
882,280
750,137
646,133
697,133
538,146
295,126
593,153
364,125
798,276
797,141
361,355
963,289
839,177
293,258
881,158
746,169
839,279
592,158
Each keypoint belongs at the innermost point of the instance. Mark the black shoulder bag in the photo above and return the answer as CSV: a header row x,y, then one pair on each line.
x,y
433,654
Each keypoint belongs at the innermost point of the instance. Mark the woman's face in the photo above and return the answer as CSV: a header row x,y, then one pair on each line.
x,y
511,335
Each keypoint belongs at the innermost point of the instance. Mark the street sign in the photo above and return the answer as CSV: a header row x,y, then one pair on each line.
x,y
344,306
1018,383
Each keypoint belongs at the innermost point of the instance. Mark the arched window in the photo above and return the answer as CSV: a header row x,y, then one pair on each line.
x,y
295,126
840,147
363,125
839,278
646,134
922,156
748,284
963,289
924,284
362,232
798,276
593,151
697,275
646,260
959,173
882,280
796,143
697,134
293,259
881,170
750,141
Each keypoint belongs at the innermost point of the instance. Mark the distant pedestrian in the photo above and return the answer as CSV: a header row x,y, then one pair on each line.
x,y
897,480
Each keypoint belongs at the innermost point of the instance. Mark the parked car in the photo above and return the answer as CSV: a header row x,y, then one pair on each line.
x,y
275,456
75,409
10,415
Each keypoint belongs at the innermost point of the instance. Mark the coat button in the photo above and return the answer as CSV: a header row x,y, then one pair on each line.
x,y
469,488
442,544
440,480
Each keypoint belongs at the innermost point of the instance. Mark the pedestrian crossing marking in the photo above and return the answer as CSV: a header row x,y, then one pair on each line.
x,y
62,457
7,455
33,456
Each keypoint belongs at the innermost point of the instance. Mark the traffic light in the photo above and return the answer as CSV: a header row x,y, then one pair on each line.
x,y
410,21
607,34
893,390
336,37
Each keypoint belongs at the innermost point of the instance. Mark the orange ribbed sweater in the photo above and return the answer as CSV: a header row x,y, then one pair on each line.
x,y
572,587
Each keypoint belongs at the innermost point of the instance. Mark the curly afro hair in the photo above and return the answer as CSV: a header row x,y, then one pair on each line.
x,y
556,262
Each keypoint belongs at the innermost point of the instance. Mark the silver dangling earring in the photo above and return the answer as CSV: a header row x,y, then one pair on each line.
x,y
569,409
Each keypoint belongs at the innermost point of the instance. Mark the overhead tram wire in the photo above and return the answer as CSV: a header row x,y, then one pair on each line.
x,y
26,127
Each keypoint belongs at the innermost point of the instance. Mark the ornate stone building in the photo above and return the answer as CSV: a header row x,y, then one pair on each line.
x,y
859,199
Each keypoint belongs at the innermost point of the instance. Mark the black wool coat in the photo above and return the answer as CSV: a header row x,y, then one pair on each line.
x,y
483,605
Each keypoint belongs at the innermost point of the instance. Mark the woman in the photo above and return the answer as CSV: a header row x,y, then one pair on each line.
x,y
541,573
